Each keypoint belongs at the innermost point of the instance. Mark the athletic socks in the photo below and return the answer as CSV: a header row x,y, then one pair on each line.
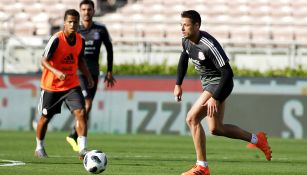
x,y
39,144
254,139
202,163
82,142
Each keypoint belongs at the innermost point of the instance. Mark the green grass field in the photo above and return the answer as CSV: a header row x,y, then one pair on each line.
x,y
150,155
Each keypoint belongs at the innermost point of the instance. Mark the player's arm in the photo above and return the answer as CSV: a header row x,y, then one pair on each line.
x,y
83,67
182,67
109,79
47,55
181,72
220,61
226,78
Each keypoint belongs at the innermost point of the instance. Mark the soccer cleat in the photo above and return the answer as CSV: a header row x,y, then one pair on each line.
x,y
250,145
41,153
197,170
72,143
263,145
82,154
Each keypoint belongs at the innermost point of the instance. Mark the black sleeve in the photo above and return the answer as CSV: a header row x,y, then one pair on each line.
x,y
226,79
82,50
51,47
109,47
182,67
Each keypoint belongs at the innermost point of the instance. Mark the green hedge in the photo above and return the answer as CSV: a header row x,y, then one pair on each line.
x,y
287,72
164,69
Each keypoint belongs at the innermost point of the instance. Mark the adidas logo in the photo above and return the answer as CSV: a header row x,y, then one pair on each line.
x,y
68,59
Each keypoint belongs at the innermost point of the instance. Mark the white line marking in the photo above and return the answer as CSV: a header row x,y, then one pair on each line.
x,y
12,163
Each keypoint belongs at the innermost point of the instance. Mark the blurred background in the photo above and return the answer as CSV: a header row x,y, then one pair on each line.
x,y
258,34
262,35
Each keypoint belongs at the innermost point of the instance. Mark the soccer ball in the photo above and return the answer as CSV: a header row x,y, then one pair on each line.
x,y
95,161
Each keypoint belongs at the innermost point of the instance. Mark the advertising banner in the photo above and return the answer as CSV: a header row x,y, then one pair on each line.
x,y
139,104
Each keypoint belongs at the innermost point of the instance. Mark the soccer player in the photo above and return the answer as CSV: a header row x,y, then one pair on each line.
x,y
59,82
94,34
216,77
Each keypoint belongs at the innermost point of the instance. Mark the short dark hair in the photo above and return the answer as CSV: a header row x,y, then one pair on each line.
x,y
71,12
90,2
193,15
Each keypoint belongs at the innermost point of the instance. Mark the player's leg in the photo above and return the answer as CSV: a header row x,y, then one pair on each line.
x,y
215,123
42,126
81,128
89,95
50,104
73,136
41,130
217,127
76,104
194,117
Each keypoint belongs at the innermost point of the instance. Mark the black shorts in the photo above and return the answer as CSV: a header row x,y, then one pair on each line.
x,y
50,103
88,93
226,91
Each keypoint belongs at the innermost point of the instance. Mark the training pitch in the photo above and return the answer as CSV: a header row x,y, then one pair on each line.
x,y
149,155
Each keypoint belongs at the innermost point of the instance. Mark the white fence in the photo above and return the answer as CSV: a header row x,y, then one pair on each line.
x,y
22,55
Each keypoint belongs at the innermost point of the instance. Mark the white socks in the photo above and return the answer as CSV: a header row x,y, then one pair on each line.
x,y
82,142
39,144
202,163
254,139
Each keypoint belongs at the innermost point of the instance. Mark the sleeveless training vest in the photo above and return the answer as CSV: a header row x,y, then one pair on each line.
x,y
65,58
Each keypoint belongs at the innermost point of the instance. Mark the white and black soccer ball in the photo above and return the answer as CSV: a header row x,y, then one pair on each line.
x,y
95,161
